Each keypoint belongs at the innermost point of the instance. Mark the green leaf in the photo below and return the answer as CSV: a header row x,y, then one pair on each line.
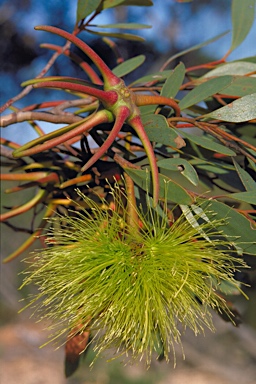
x,y
209,144
169,189
157,76
209,166
125,36
112,3
141,3
239,68
205,90
147,109
85,8
195,47
158,130
123,26
243,16
241,86
247,180
237,226
250,59
174,81
182,166
247,197
252,164
128,66
116,3
240,110
226,287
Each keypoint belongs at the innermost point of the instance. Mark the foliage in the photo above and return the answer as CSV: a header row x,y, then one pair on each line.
x,y
185,137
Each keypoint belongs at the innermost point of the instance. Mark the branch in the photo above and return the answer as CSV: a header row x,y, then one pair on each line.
x,y
67,118
29,88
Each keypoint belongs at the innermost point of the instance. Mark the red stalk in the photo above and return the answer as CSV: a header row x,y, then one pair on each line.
x,y
49,212
107,97
43,105
121,116
109,78
51,178
77,59
141,100
9,143
25,207
137,125
100,117
31,176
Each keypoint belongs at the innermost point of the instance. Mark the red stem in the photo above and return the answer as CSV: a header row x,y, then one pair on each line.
x,y
137,125
121,116
25,207
212,64
109,78
107,97
31,176
141,100
99,118
49,212
77,59
46,104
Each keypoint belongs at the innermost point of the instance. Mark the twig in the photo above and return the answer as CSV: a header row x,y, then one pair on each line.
x,y
67,118
29,88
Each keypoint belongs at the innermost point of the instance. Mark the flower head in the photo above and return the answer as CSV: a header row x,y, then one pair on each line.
x,y
132,286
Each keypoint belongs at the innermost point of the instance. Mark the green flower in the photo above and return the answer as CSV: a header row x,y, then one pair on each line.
x,y
133,286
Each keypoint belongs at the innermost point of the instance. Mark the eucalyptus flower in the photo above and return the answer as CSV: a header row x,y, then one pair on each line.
x,y
133,281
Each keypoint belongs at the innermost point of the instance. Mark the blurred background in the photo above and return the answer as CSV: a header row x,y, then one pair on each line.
x,y
225,357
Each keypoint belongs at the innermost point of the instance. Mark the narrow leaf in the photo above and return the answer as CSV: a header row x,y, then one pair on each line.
x,y
241,86
128,66
239,68
251,59
169,189
237,229
209,144
205,90
243,109
209,166
112,3
125,36
174,81
158,130
85,8
123,26
147,109
195,47
182,166
243,15
116,3
143,3
247,197
157,76
247,180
